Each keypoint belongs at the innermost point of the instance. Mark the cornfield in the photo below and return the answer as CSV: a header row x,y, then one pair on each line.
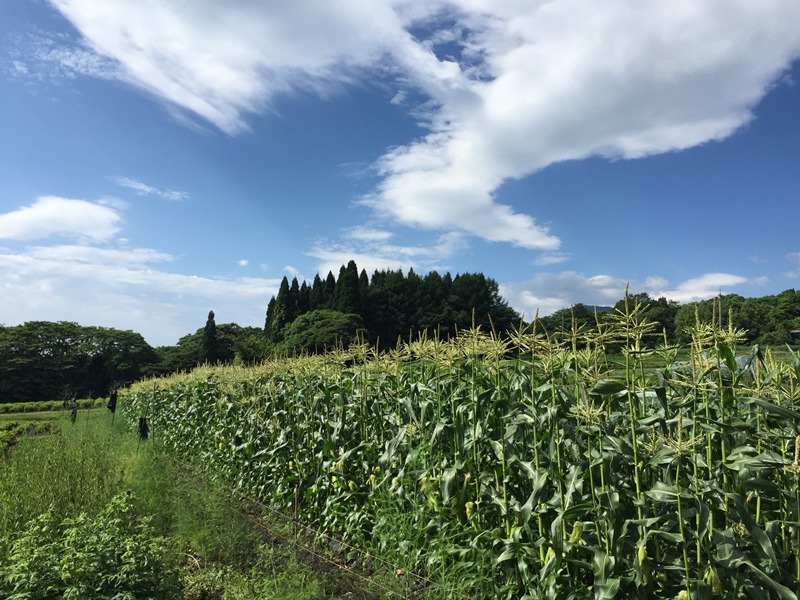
x,y
526,467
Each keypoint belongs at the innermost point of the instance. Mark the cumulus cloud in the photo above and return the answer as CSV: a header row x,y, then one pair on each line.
x,y
505,88
122,288
549,292
699,288
794,259
148,190
373,249
223,61
53,216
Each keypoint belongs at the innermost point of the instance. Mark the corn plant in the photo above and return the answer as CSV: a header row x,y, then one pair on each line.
x,y
534,467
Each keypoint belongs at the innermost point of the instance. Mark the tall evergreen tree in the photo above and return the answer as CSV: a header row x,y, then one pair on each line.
x,y
210,351
284,311
363,290
330,289
317,297
346,292
294,297
304,299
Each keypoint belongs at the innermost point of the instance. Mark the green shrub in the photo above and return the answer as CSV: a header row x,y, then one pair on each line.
x,y
115,556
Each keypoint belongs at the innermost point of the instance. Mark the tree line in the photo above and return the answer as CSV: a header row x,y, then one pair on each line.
x,y
768,320
381,309
43,360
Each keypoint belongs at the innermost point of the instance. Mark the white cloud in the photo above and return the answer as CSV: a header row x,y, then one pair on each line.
x,y
368,234
551,258
143,189
52,216
525,84
243,263
19,67
699,288
372,249
549,292
793,257
41,56
122,288
292,271
76,255
222,61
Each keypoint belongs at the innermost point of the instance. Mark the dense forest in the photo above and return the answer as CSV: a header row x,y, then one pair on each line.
x,y
383,308
58,361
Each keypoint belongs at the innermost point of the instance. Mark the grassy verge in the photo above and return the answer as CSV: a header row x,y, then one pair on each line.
x,y
70,501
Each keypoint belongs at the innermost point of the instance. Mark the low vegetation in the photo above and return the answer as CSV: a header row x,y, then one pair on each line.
x,y
91,512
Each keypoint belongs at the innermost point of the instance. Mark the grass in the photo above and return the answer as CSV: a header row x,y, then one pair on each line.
x,y
220,551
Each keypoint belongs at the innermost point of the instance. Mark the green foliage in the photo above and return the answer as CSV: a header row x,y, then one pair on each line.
x,y
210,353
62,529
391,305
52,405
247,345
545,475
113,555
54,361
768,320
283,311
320,330
275,575
11,431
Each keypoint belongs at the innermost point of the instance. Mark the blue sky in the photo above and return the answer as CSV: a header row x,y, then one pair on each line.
x,y
160,159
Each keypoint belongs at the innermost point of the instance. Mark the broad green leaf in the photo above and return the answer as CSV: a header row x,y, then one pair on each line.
x,y
727,356
605,585
779,411
605,387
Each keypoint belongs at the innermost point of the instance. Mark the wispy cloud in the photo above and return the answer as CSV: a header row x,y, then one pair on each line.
x,y
43,56
52,216
521,85
794,260
374,249
551,258
148,190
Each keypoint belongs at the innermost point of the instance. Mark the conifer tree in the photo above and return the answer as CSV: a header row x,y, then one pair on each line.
x,y
210,352
283,312
346,293
304,299
330,289
317,297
